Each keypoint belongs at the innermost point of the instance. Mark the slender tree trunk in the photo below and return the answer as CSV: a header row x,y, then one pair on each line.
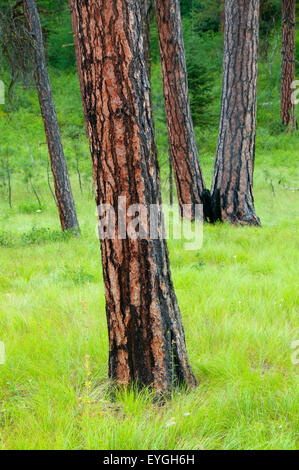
x,y
49,184
36,194
288,61
79,175
188,175
66,205
146,336
233,174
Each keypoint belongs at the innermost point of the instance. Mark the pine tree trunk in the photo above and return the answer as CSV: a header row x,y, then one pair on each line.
x,y
288,61
146,11
188,175
146,336
222,16
65,201
233,174
146,6
80,76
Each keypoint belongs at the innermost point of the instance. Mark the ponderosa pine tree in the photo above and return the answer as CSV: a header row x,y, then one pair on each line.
x,y
288,61
188,175
63,191
146,336
232,195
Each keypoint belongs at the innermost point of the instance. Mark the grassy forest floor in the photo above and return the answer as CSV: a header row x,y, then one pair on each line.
x,y
238,297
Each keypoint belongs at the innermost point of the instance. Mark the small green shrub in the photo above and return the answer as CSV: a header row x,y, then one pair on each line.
x,y
276,127
78,277
29,207
42,235
6,239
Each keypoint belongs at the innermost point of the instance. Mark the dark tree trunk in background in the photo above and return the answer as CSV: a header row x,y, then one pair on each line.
x,y
146,336
65,201
146,7
288,61
222,16
188,175
233,174
80,76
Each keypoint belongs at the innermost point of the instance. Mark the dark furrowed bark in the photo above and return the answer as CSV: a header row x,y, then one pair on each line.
x,y
146,8
63,191
288,62
232,197
80,76
188,176
146,336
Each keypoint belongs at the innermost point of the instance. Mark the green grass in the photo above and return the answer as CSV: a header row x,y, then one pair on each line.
x,y
239,301
238,297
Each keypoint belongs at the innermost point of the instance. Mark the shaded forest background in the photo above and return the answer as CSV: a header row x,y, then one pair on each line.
x,y
24,151
238,295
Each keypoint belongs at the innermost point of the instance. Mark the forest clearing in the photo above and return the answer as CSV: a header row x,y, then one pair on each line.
x,y
237,389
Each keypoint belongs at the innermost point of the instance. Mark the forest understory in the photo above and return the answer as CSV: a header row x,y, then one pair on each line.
x,y
238,294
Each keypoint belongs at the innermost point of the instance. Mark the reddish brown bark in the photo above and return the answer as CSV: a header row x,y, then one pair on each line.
x,y
146,8
146,336
64,196
146,17
233,174
222,16
80,76
188,176
288,61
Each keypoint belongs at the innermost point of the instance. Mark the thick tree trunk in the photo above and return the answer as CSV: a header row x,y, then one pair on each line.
x,y
188,175
288,61
233,174
146,336
65,201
